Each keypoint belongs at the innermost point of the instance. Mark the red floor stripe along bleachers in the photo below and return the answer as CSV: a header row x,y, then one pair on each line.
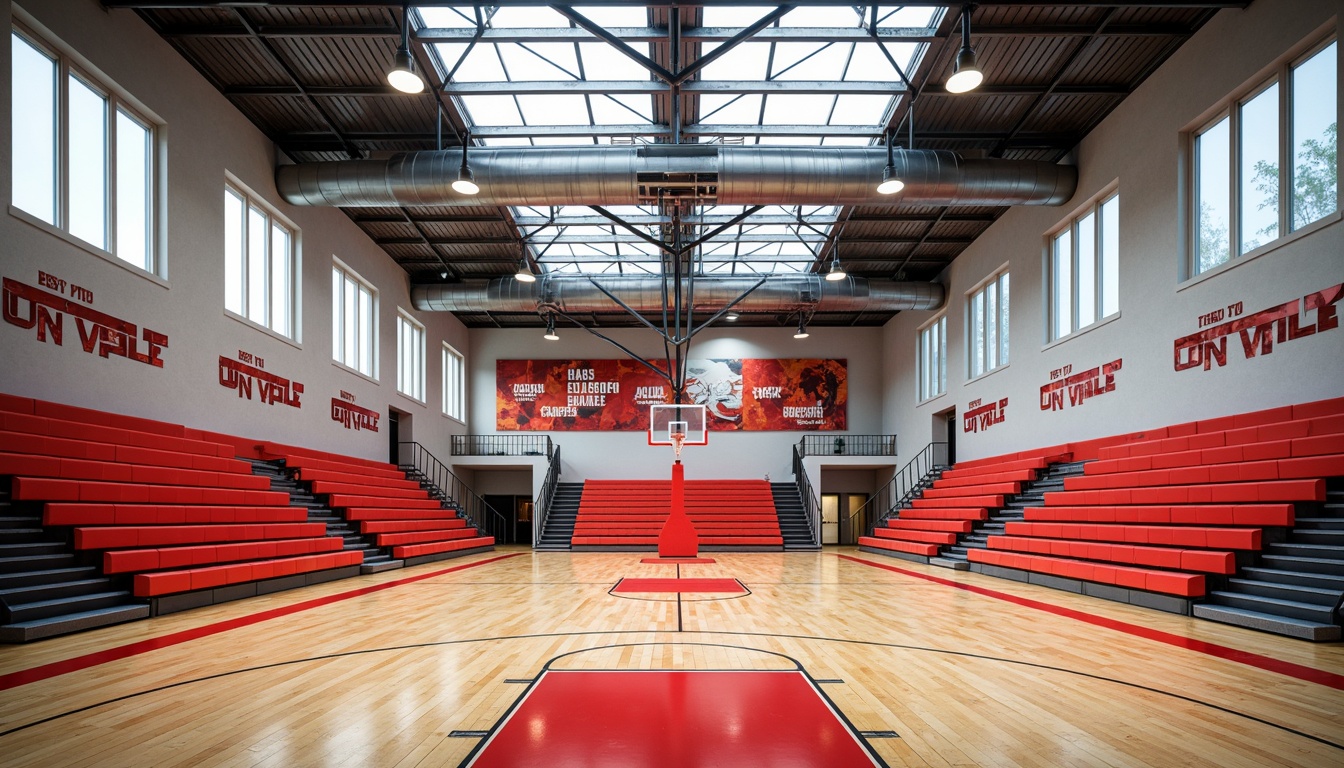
x,y
725,513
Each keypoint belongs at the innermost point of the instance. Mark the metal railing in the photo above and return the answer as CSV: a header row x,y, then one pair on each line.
x,y
542,508
810,504
415,458
502,445
848,445
903,487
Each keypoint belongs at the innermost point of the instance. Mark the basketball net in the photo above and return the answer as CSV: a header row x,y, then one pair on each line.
x,y
677,439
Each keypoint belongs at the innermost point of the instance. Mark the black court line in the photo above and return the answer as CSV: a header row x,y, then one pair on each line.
x,y
810,638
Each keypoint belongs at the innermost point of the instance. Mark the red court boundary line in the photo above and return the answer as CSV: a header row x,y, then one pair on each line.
x,y
77,663
1279,666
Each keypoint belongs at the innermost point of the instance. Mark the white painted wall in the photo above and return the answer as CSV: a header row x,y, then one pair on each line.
x,y
729,455
206,137
1137,145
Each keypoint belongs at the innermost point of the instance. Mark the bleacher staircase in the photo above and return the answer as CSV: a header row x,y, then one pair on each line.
x,y
1296,588
1032,495
560,518
793,525
46,588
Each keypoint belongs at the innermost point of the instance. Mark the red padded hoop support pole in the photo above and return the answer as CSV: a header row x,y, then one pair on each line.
x,y
678,537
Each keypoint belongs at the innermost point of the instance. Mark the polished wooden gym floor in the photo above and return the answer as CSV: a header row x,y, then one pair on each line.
x,y
381,670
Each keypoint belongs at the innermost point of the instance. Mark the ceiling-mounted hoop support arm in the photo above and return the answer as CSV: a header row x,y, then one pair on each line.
x,y
629,309
631,353
607,37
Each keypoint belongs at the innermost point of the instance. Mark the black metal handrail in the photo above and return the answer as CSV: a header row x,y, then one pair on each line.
x,y
502,445
908,482
542,508
809,497
848,445
414,456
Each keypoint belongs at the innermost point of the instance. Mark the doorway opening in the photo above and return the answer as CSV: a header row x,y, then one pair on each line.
x,y
518,512
843,517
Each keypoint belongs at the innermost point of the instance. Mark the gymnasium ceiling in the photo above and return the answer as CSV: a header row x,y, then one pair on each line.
x,y
311,75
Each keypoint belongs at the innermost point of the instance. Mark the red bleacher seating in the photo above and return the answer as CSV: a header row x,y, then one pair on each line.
x,y
731,513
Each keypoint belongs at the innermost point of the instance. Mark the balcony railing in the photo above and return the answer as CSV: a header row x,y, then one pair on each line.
x,y
502,445
847,445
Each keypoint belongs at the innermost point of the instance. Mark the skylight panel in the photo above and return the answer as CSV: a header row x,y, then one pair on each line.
x,y
907,16
869,63
745,62
540,61
560,141
821,16
492,110
620,110
603,62
742,109
517,16
481,65
449,18
796,108
860,109
554,109
616,16
506,141
789,141
847,141
810,61
734,16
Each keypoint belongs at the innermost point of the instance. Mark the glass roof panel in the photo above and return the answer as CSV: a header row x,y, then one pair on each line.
x,y
810,61
733,16
821,16
860,109
621,110
796,108
492,110
745,62
615,16
739,109
554,109
603,62
540,61
517,16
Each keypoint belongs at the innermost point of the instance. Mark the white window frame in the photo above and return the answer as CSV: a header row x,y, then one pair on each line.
x,y
118,102
250,201
931,359
1101,274
364,347
410,356
454,384
1280,73
992,286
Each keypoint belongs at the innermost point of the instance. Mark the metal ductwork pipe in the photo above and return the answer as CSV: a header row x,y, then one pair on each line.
x,y
729,175
576,294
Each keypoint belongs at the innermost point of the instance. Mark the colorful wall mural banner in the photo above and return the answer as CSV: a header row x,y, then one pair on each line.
x,y
615,395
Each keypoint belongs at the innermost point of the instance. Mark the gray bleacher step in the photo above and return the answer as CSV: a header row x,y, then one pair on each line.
x,y
31,549
27,631
1319,523
1301,578
1307,564
51,576
1319,536
1279,625
1274,606
10,523
1293,592
947,562
36,563
33,593
1315,551
42,609
24,535
380,566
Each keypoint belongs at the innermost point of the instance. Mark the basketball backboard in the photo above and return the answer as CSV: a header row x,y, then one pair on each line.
x,y
668,421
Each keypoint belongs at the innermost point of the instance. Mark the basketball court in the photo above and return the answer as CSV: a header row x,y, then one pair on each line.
x,y
891,664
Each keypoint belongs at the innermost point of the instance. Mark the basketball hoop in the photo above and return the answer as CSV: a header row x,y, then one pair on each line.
x,y
678,439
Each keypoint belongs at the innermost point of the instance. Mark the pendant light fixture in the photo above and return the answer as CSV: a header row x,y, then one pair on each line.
x,y
466,180
891,181
403,76
966,74
550,334
802,329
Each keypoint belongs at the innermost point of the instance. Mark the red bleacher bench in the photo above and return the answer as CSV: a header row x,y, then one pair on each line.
x,y
110,471
326,487
73,430
1179,584
63,513
368,481
400,526
1212,493
420,537
945,526
340,500
944,513
48,489
1006,489
990,502
1168,535
19,442
909,547
169,582
302,464
1018,476
1204,560
1181,514
1250,471
924,537
436,547
381,513
114,537
141,560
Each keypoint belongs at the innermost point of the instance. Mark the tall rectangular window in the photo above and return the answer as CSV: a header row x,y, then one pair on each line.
x,y
1084,268
932,358
454,384
410,357
259,260
353,327
83,157
988,324
1254,181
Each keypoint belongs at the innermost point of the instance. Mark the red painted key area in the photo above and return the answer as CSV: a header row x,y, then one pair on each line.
x,y
678,585
662,718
